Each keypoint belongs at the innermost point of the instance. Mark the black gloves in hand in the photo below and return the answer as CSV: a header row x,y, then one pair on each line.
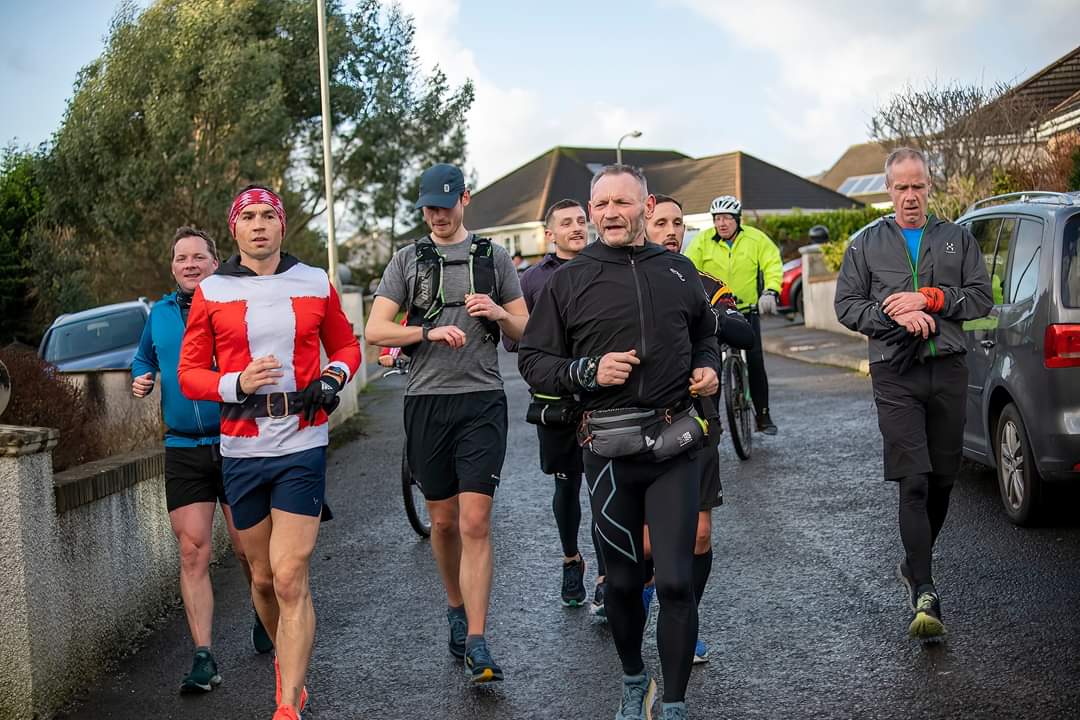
x,y
908,347
320,394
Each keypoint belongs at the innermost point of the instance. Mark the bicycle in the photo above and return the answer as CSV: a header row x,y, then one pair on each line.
x,y
415,505
735,381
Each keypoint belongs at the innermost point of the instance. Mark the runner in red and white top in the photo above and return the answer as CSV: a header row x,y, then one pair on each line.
x,y
252,343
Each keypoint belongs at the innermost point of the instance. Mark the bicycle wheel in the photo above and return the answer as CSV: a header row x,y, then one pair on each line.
x,y
737,405
415,507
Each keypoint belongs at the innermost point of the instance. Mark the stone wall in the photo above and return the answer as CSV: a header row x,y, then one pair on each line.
x,y
92,543
819,293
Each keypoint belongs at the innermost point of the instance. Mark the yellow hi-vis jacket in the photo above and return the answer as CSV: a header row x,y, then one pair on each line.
x,y
738,265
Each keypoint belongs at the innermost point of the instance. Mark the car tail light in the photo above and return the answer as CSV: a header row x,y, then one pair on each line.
x,y
1061,346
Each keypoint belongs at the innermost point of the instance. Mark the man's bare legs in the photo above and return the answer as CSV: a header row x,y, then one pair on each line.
x,y
193,526
461,544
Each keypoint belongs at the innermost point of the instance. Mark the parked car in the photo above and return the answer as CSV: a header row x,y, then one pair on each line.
x,y
1023,407
102,338
791,300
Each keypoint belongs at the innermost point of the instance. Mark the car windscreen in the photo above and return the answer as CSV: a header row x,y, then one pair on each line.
x,y
96,335
1070,263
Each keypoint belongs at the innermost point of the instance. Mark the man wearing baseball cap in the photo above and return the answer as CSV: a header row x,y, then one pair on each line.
x,y
252,345
460,293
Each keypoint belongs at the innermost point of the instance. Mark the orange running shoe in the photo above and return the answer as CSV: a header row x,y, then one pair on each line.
x,y
277,689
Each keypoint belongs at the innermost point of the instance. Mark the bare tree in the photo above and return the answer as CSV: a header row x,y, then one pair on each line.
x,y
968,131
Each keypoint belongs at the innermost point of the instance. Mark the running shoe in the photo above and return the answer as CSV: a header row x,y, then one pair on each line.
x,y
598,609
638,696
284,712
203,676
459,628
277,688
573,583
647,595
675,711
260,639
927,625
479,667
701,652
765,423
904,576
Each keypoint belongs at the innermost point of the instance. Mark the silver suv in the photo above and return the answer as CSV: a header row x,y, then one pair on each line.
x,y
1023,406
102,338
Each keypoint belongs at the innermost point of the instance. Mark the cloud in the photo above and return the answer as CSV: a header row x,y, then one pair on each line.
x,y
508,125
838,61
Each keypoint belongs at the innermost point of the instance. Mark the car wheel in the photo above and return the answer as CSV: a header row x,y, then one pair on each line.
x,y
1018,478
799,305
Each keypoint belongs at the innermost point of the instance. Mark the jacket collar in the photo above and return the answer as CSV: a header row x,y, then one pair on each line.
x,y
233,267
932,222
599,251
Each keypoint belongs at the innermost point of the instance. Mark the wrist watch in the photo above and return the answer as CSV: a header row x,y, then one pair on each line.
x,y
424,329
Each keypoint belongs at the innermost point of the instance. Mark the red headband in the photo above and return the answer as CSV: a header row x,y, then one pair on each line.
x,y
256,196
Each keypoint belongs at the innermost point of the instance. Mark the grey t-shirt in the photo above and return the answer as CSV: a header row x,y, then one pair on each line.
x,y
436,369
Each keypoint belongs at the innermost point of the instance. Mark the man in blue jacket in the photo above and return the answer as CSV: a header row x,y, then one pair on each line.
x,y
193,481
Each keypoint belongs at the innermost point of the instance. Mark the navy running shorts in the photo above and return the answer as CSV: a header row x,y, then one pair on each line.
x,y
294,483
456,443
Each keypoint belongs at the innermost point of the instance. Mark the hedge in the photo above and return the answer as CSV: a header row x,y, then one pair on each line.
x,y
792,231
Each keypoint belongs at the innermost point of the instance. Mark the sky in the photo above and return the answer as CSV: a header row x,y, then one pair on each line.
x,y
791,82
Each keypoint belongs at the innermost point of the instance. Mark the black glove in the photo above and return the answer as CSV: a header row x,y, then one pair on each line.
x,y
320,394
909,350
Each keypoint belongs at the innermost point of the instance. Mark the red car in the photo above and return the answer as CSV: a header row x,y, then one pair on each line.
x,y
791,298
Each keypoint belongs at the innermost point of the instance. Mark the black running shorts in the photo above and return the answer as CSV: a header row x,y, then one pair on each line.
x,y
456,443
921,415
559,450
711,492
192,475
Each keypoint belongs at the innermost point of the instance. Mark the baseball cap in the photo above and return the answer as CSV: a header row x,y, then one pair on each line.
x,y
440,186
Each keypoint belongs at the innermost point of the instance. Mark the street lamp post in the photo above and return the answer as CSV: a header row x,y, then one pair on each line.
x,y
618,145
328,159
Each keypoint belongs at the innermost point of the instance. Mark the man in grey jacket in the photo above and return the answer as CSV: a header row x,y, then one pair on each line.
x,y
908,282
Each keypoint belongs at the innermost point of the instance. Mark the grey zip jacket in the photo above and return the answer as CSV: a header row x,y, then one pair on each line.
x,y
877,264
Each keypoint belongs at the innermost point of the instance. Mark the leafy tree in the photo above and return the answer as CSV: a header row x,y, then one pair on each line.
x,y
21,200
1074,175
192,99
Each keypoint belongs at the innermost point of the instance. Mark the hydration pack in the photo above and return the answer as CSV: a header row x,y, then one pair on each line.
x,y
428,298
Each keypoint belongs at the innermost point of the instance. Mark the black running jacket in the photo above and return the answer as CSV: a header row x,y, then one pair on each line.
x,y
615,300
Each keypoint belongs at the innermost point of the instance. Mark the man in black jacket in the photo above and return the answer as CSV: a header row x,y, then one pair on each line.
x,y
664,226
908,282
627,328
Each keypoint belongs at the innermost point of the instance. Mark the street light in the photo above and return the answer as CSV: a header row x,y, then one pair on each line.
x,y
618,145
328,158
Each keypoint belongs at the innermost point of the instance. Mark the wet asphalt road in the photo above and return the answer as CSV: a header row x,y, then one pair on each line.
x,y
803,615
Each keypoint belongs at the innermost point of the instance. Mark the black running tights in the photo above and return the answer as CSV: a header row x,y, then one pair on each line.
x,y
566,504
924,503
625,495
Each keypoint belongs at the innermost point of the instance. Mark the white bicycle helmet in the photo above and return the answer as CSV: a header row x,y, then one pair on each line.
x,y
726,204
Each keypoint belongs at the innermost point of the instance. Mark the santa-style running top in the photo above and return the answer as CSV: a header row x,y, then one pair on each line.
x,y
237,316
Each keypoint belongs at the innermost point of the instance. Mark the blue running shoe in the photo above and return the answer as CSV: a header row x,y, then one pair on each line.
x,y
647,595
638,696
459,628
479,667
675,711
598,608
701,652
